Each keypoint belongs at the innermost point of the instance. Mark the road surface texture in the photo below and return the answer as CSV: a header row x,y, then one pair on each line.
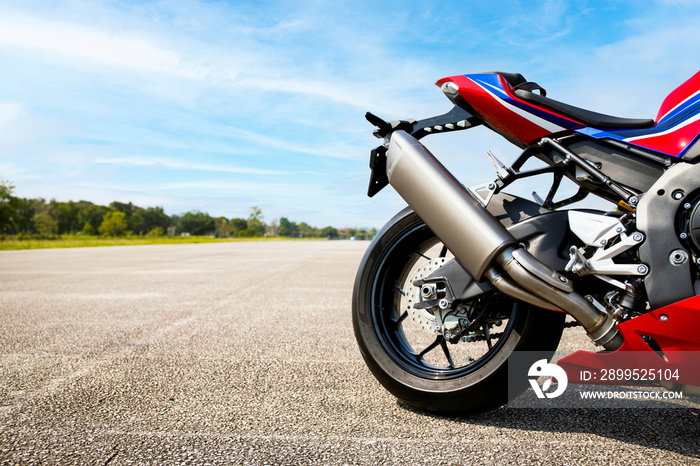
x,y
243,353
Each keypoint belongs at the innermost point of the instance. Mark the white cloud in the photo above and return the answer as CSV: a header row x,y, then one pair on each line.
x,y
119,48
225,188
9,112
336,149
162,162
13,172
534,23
235,62
632,76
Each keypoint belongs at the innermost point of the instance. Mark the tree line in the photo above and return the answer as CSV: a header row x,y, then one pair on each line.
x,y
26,218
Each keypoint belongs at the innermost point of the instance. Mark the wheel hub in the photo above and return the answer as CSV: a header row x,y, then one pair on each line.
x,y
428,319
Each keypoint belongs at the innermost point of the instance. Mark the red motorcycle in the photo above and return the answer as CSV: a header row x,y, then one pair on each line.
x,y
464,278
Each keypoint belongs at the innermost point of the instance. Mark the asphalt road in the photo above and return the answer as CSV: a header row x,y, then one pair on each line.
x,y
243,353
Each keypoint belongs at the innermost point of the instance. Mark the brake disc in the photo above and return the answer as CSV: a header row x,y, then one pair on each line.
x,y
426,319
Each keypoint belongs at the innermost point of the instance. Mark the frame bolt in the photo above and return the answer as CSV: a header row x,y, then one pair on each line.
x,y
642,269
678,257
663,318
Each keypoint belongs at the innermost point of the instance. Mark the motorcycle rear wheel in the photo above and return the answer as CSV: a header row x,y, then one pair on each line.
x,y
426,371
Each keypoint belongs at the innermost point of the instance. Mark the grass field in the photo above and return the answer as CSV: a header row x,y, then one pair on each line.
x,y
71,241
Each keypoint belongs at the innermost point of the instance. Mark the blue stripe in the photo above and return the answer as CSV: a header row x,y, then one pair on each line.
x,y
621,135
493,83
681,113
599,133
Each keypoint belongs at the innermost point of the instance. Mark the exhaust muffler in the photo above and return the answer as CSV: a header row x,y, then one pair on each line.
x,y
480,242
473,235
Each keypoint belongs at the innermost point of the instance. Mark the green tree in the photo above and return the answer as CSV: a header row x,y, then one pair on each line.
x,y
255,220
197,223
157,231
126,209
284,227
114,224
88,229
156,217
255,213
138,223
92,214
66,214
7,207
25,210
306,230
144,220
20,215
249,233
221,227
236,225
287,228
329,232
46,224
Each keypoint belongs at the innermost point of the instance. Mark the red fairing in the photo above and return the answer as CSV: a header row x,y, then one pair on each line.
x,y
682,93
671,142
505,112
678,121
674,328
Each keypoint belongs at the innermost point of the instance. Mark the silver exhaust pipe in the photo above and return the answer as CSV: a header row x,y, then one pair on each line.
x,y
599,325
473,235
511,289
479,241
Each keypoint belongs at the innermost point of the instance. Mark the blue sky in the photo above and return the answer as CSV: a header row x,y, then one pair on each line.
x,y
218,106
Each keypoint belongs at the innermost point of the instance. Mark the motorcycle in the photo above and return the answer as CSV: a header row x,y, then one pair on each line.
x,y
463,279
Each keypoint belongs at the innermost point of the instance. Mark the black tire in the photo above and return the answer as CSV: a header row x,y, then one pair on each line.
x,y
388,344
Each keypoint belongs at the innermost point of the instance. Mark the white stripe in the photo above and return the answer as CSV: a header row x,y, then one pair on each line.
x,y
548,125
674,108
663,133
